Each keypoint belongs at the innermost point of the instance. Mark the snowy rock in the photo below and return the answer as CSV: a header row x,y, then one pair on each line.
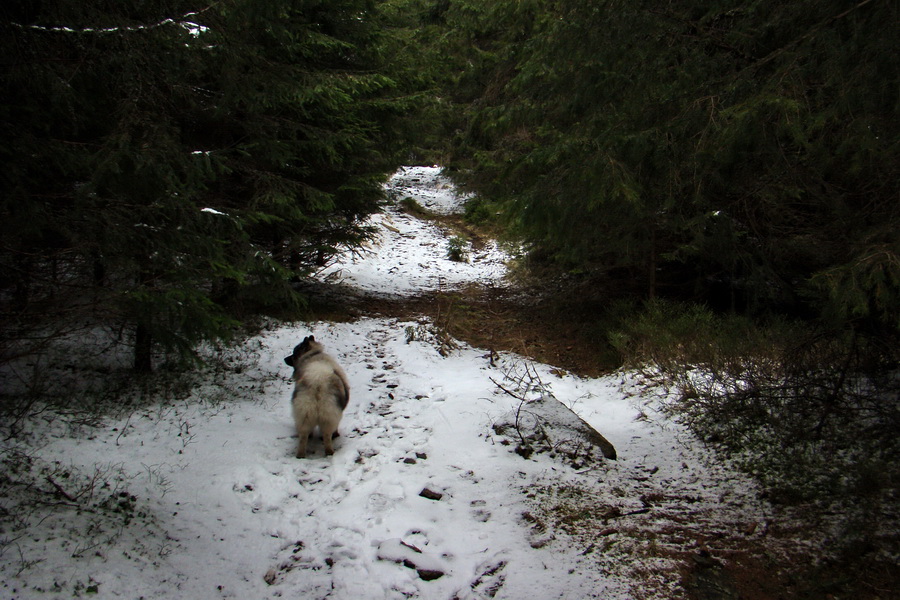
x,y
547,425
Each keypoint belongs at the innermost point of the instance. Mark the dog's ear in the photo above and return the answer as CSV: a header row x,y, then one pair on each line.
x,y
310,338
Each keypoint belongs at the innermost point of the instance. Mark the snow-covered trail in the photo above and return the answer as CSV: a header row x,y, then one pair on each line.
x,y
410,255
418,423
224,510
211,502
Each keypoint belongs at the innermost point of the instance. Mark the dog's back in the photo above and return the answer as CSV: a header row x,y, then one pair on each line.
x,y
321,393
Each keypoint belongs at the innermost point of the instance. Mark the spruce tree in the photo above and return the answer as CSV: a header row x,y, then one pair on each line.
x,y
747,147
173,165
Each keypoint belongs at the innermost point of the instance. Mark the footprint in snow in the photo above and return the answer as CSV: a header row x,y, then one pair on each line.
x,y
489,580
480,512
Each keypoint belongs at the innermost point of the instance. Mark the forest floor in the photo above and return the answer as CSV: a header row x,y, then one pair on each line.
x,y
194,491
554,322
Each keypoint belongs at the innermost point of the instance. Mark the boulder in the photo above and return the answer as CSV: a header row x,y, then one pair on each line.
x,y
547,425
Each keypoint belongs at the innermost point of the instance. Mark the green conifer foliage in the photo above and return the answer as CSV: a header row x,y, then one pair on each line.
x,y
748,146
170,165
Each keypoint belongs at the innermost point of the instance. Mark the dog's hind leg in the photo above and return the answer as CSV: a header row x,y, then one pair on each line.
x,y
328,424
303,431
329,432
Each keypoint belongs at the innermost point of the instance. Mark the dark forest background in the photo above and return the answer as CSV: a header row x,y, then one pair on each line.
x,y
724,174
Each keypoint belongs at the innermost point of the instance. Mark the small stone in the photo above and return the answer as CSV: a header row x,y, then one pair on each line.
x,y
430,494
429,574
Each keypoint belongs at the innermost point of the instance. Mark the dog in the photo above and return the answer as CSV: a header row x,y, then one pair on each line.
x,y
321,393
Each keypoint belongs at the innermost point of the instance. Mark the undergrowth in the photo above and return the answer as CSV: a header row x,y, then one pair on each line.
x,y
72,389
812,414
90,376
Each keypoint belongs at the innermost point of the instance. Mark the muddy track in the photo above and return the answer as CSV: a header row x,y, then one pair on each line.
x,y
557,330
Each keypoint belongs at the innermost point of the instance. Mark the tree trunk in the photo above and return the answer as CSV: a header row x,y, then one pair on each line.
x,y
143,350
651,267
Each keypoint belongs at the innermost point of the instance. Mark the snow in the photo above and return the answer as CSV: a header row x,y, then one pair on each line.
x,y
193,28
201,496
410,255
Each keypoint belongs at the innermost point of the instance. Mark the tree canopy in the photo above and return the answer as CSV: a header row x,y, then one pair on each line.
x,y
169,162
752,148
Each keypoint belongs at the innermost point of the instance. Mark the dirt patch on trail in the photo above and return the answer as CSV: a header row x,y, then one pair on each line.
x,y
559,332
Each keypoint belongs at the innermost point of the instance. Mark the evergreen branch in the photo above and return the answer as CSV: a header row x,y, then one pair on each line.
x,y
703,33
776,53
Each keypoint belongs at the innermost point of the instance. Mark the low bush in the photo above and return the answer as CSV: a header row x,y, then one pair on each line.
x,y
812,414
479,211
458,249
412,207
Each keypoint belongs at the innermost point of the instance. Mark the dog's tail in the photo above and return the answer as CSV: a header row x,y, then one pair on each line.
x,y
341,391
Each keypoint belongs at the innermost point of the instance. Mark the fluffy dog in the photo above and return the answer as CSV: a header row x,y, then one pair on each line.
x,y
320,395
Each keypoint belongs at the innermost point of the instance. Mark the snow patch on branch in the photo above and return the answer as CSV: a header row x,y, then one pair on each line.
x,y
193,28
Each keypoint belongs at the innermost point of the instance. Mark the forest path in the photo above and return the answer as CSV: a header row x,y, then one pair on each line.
x,y
406,273
696,504
197,494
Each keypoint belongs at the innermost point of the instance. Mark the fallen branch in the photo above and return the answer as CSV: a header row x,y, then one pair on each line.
x,y
62,492
513,394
